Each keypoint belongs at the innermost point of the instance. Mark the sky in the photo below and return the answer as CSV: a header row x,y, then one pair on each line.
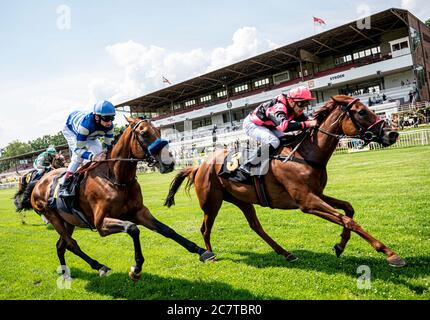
x,y
61,56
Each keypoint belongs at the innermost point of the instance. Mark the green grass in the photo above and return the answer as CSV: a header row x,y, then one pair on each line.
x,y
389,190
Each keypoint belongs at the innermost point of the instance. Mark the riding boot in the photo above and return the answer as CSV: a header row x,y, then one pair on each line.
x,y
246,167
64,190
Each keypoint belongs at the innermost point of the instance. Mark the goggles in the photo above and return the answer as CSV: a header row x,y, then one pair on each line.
x,y
107,118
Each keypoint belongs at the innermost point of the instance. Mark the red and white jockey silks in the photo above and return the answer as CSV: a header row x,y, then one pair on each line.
x,y
277,114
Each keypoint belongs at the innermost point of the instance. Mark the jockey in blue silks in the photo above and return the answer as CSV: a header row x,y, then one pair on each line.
x,y
82,131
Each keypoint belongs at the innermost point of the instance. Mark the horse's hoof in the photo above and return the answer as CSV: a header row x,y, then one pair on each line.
x,y
207,256
396,261
291,258
104,271
135,277
338,250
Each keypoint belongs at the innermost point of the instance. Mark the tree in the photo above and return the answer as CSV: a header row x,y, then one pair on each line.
x,y
16,148
428,23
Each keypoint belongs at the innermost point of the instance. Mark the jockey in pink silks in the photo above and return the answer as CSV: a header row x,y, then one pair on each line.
x,y
270,120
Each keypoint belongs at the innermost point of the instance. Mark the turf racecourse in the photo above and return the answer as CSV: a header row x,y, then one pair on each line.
x,y
389,189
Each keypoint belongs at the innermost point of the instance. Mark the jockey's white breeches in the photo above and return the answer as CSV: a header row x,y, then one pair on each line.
x,y
261,133
93,146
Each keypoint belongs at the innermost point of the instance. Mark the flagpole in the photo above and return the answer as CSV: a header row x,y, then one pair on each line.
x,y
313,21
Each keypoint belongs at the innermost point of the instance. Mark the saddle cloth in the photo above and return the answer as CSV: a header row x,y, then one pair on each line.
x,y
69,205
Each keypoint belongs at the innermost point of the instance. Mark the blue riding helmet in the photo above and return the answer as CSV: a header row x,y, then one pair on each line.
x,y
104,108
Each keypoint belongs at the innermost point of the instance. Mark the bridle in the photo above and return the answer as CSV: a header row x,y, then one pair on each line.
x,y
365,134
148,150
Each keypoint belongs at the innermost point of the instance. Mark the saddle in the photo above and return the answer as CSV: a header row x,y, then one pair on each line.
x,y
230,171
69,205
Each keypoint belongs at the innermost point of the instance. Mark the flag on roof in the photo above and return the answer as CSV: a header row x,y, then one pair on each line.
x,y
165,80
319,21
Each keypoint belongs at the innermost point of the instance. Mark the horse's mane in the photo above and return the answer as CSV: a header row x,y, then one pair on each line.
x,y
321,114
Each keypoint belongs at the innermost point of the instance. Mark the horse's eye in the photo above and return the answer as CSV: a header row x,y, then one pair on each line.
x,y
362,113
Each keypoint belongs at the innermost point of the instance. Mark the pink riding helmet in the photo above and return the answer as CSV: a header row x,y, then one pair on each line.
x,y
300,93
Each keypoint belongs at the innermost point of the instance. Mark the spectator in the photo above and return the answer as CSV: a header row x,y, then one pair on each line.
x,y
384,97
411,96
402,83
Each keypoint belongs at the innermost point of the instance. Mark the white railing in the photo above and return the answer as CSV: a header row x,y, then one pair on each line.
x,y
406,139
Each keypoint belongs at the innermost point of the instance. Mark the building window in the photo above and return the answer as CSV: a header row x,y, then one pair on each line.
x,y
206,98
190,103
261,82
341,60
221,94
400,46
241,88
366,53
281,77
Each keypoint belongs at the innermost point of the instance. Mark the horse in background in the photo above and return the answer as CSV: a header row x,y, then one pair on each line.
x,y
296,178
27,182
110,197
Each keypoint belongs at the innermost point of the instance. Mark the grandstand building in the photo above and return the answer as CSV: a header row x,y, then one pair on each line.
x,y
382,59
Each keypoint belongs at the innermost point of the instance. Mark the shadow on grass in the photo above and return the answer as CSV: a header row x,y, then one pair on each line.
x,y
154,287
416,267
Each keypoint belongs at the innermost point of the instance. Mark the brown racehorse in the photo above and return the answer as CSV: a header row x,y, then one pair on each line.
x,y
111,198
58,161
295,184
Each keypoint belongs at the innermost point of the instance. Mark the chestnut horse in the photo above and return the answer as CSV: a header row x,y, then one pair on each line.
x,y
295,184
111,198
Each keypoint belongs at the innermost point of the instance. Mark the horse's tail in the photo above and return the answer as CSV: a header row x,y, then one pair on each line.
x,y
189,172
21,198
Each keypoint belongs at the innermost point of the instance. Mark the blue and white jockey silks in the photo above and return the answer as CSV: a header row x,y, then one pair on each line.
x,y
82,133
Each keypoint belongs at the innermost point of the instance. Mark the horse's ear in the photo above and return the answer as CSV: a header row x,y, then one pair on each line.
x,y
336,100
129,120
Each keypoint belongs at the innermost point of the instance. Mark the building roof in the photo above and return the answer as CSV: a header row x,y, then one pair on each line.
x,y
336,41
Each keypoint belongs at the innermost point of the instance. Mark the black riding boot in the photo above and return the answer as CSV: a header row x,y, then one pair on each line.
x,y
64,190
246,167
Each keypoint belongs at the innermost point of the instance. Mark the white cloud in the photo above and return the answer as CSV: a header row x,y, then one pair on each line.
x,y
419,8
144,66
139,70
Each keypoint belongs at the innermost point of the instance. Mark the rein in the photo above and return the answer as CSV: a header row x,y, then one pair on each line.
x,y
364,134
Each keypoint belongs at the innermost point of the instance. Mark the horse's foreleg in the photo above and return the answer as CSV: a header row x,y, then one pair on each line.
x,y
318,207
146,219
346,233
110,226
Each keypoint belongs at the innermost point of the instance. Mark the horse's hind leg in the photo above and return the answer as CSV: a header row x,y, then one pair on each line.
x,y
72,245
251,216
346,233
62,246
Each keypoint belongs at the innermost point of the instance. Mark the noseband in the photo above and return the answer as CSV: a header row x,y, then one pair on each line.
x,y
151,149
364,134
